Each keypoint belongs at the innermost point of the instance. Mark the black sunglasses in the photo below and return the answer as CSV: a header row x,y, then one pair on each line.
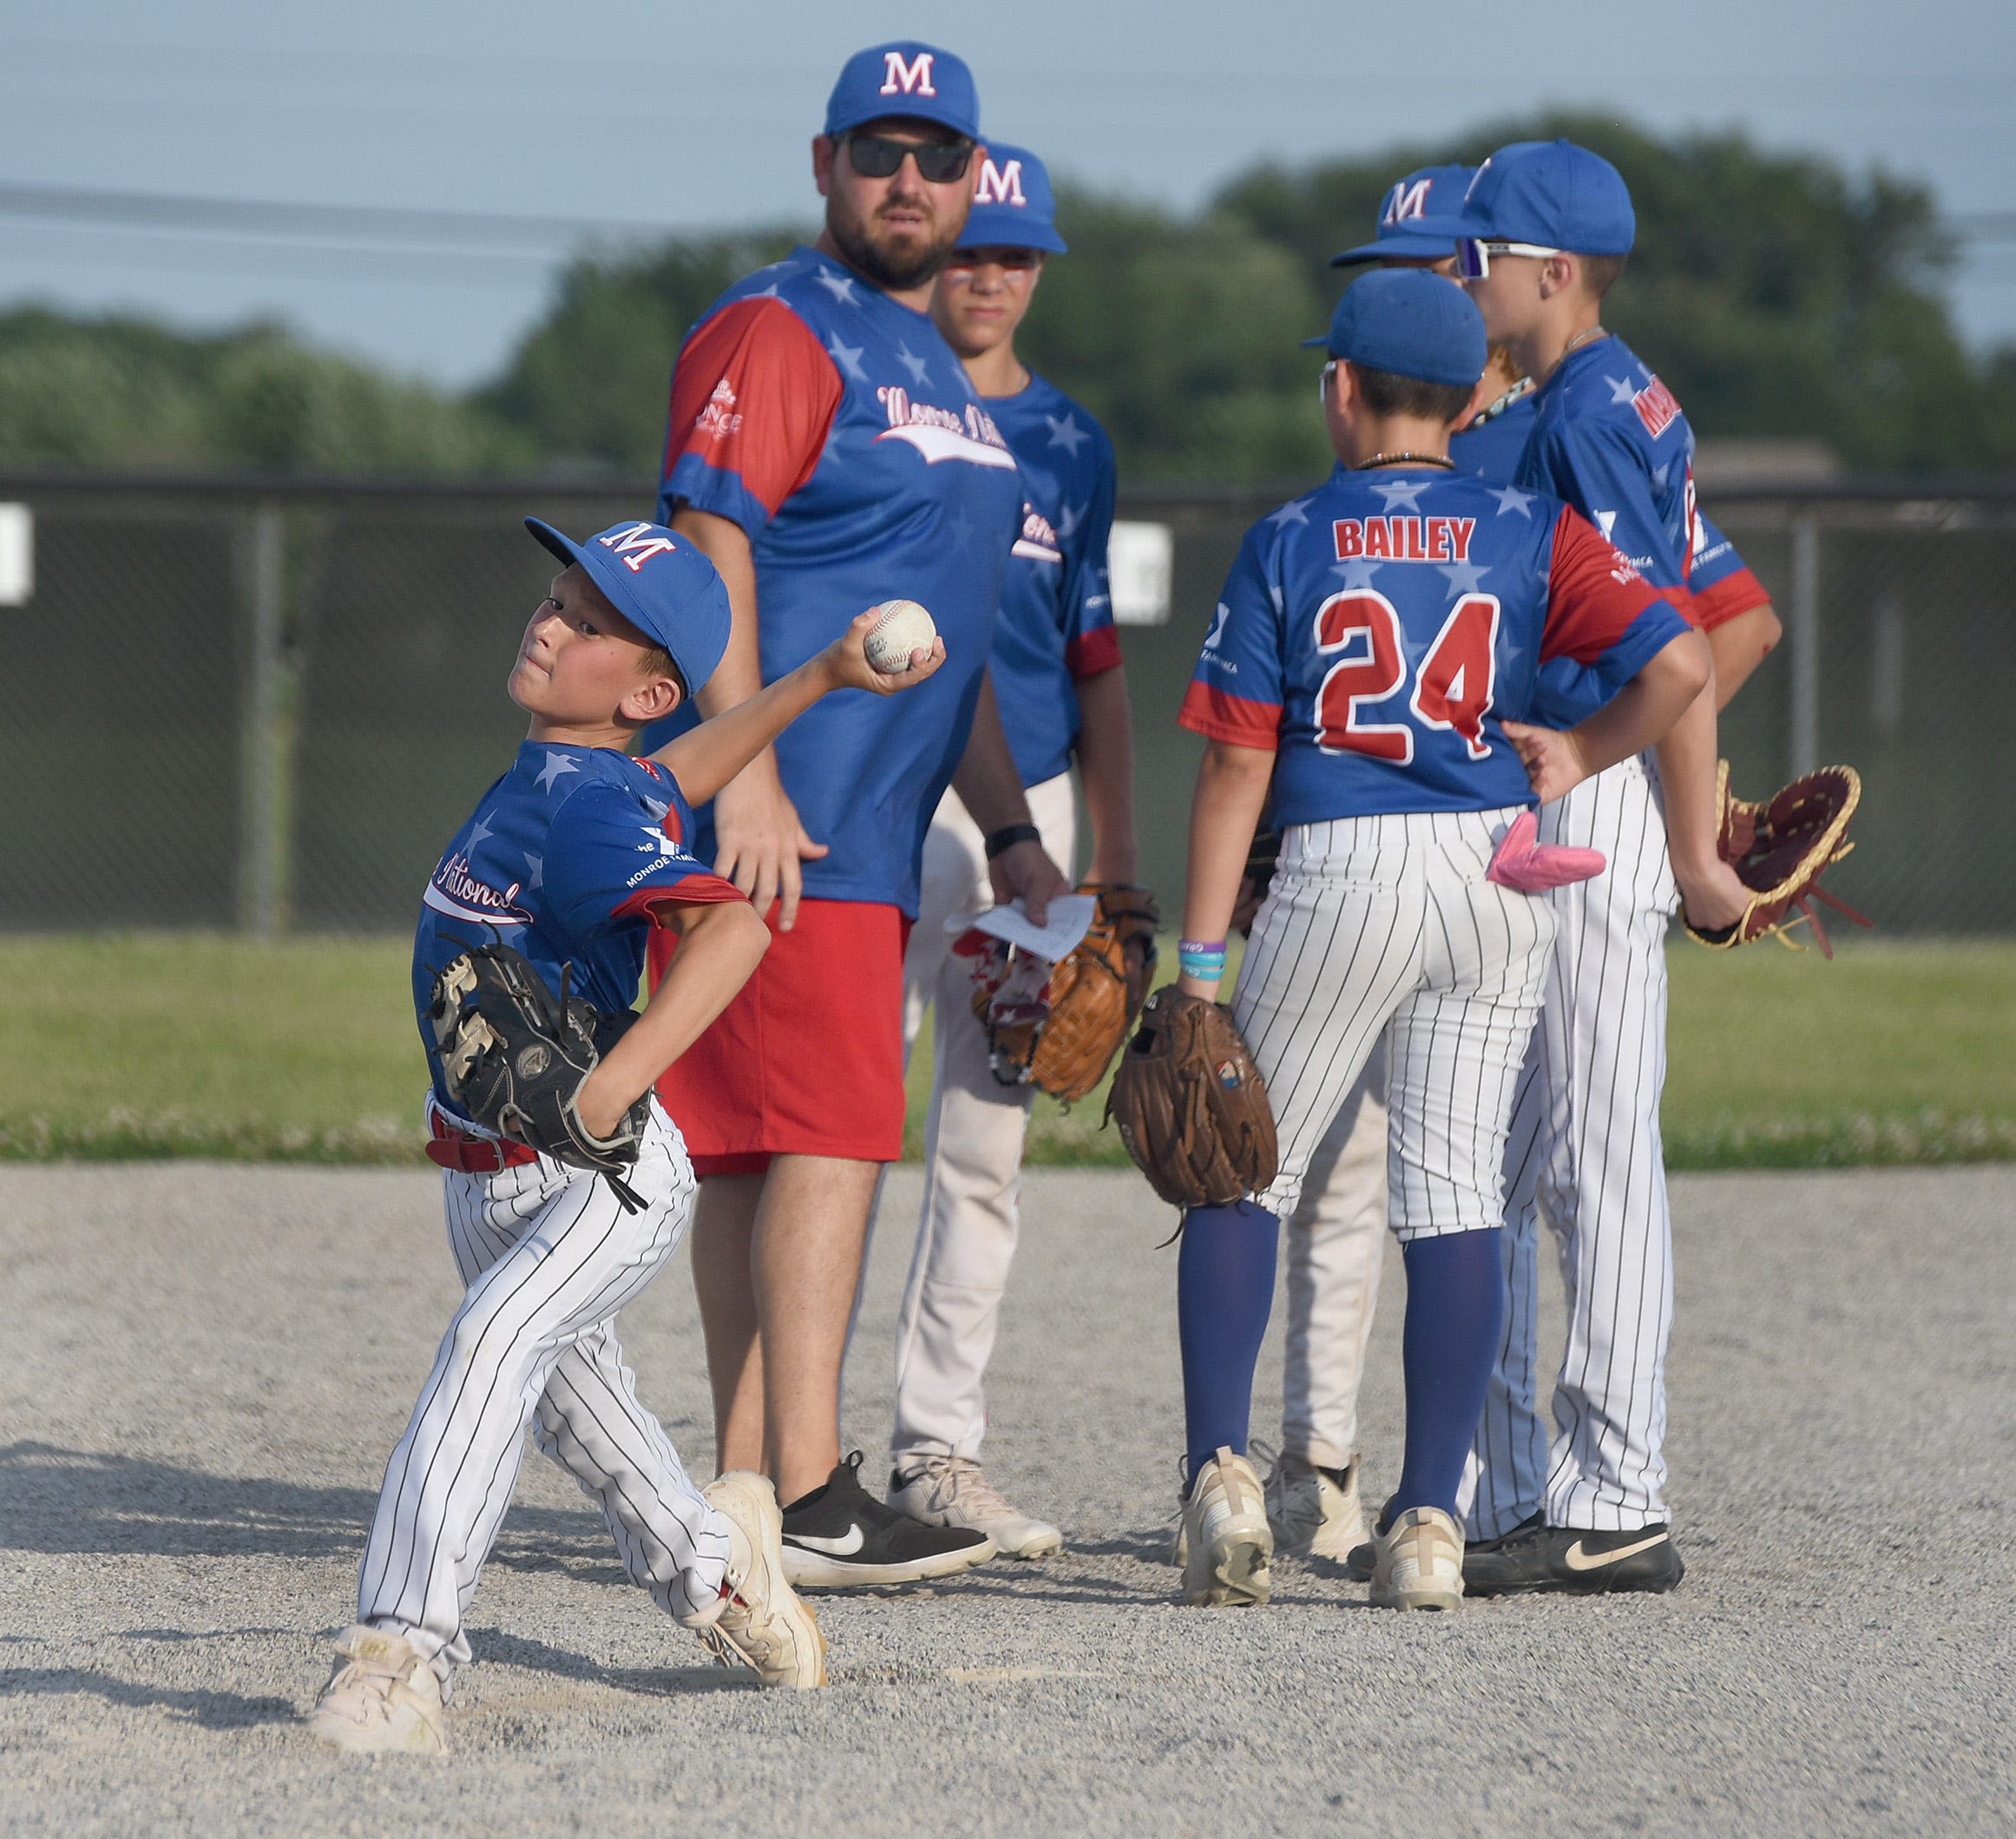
x,y
939,162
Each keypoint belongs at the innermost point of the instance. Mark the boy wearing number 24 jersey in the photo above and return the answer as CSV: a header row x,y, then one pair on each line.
x,y
1377,656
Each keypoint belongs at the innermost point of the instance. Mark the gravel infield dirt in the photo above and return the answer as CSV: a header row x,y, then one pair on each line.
x,y
206,1366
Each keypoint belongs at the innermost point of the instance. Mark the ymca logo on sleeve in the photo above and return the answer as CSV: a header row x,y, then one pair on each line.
x,y
719,418
912,78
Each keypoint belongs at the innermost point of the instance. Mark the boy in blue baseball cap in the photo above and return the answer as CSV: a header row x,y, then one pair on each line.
x,y
1055,666
1547,227
1334,1251
571,858
1374,661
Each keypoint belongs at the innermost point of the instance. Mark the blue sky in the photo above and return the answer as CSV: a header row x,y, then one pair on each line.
x,y
615,110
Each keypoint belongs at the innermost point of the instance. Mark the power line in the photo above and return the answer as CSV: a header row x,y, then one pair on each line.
x,y
81,205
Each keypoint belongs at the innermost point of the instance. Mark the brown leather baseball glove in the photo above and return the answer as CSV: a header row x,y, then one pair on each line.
x,y
1778,850
1093,993
1191,1104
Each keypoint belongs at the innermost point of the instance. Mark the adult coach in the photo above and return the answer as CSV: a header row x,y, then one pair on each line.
x,y
825,450
1057,675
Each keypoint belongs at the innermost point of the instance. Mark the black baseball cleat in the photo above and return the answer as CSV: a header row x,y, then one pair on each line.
x,y
840,1537
1533,1556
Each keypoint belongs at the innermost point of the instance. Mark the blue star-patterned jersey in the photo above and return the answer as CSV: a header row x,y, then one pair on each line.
x,y
1056,609
840,431
1719,583
567,859
1378,633
1610,438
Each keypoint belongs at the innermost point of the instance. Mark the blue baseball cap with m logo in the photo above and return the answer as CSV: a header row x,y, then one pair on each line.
x,y
1417,222
1013,205
662,582
916,82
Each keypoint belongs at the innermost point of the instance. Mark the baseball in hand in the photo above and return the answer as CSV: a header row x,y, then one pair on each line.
x,y
904,628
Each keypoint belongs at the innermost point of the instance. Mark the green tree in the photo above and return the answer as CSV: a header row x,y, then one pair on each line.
x,y
1182,337
587,385
119,392
1777,295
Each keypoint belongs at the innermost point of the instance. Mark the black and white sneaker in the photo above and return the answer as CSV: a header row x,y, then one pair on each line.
x,y
840,1537
1535,1557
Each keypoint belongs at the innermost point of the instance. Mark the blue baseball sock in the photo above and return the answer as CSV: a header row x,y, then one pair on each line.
x,y
1225,1291
1456,1310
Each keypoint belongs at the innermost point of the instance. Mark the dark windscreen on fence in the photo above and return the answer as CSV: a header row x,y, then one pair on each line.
x,y
269,706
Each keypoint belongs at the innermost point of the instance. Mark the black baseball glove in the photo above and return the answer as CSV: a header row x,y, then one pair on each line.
x,y
513,1058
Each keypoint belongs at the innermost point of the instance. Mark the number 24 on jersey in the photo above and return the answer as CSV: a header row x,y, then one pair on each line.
x,y
1452,691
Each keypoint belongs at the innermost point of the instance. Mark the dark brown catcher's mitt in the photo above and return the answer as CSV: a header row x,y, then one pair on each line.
x,y
1191,1104
1778,850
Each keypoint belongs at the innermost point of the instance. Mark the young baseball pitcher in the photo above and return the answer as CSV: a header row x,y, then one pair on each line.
x,y
570,859
1376,653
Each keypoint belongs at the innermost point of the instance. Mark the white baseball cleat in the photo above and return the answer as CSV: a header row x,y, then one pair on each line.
x,y
383,1696
939,1490
1314,1510
759,1621
1417,1561
1227,1541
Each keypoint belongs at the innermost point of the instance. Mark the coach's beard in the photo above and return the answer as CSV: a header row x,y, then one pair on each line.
x,y
893,270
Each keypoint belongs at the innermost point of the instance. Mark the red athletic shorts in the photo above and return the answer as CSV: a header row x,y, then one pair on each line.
x,y
808,1060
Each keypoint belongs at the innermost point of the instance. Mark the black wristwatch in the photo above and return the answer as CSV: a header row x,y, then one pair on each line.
x,y
1009,836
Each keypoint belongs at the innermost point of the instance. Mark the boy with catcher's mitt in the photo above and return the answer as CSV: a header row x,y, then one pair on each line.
x,y
1357,664
566,1185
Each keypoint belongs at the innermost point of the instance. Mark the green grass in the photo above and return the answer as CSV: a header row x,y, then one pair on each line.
x,y
197,1045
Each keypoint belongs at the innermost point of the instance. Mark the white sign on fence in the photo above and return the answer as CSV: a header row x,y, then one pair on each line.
x,y
16,554
1141,561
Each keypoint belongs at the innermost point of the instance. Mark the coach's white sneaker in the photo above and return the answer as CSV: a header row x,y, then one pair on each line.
x,y
1225,1535
1417,1562
1314,1510
759,1621
937,1490
382,1696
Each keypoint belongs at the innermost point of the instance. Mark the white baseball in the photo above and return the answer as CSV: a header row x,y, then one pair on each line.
x,y
904,628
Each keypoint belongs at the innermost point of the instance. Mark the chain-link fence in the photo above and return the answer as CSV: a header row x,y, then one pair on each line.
x,y
266,704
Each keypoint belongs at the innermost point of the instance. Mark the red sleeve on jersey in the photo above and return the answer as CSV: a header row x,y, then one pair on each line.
x,y
1728,598
754,394
1212,712
1091,652
1593,592
701,890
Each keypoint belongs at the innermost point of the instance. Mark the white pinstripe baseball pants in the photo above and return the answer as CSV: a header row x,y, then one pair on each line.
x,y
549,1256
1385,929
1585,1153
